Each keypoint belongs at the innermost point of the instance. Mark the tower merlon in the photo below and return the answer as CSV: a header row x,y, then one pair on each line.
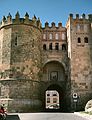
x,y
71,15
53,24
90,17
17,20
83,16
9,18
59,24
77,16
46,24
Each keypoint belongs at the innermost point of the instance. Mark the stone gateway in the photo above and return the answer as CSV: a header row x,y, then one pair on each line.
x,y
42,67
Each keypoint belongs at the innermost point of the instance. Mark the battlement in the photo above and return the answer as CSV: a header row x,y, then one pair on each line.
x,y
17,20
83,16
53,25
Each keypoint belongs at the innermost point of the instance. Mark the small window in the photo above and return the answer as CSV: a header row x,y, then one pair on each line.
x,y
86,39
48,100
78,27
64,47
16,41
56,37
44,47
56,46
50,36
63,36
79,40
54,100
48,94
44,36
50,46
54,94
85,27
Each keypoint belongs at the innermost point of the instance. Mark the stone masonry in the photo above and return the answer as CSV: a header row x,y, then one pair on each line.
x,y
34,59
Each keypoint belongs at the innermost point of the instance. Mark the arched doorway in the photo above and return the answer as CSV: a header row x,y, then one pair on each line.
x,y
54,98
53,71
54,79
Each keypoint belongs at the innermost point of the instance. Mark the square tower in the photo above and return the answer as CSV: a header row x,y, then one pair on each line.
x,y
79,35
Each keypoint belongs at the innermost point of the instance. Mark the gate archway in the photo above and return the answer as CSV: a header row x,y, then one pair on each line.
x,y
53,71
54,98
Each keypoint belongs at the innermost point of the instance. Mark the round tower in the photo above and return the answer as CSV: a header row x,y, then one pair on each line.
x,y
20,62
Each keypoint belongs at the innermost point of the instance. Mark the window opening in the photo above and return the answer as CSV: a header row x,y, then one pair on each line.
x,y
16,41
44,36
56,46
56,36
79,40
86,39
64,47
50,36
63,36
55,94
44,47
48,94
48,100
50,46
54,100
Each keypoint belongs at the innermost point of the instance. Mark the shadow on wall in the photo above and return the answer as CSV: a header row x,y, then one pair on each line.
x,y
12,117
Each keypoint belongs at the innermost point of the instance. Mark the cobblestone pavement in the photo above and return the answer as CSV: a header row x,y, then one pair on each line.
x,y
46,116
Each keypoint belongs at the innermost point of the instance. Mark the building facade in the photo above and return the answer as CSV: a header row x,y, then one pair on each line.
x,y
36,60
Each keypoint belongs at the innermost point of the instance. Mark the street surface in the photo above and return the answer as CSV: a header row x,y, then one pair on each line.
x,y
44,116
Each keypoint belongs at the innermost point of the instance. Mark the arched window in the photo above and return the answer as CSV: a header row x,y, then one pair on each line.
x,y
63,36
86,39
78,27
50,36
56,46
63,46
79,40
56,36
50,46
44,36
44,47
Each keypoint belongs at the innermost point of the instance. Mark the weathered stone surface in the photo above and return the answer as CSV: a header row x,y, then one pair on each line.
x,y
34,59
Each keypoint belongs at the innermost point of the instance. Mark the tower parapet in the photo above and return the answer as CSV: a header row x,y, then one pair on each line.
x,y
53,25
90,17
83,16
17,20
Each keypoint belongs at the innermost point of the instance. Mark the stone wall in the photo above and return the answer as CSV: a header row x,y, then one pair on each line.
x,y
21,54
80,59
17,95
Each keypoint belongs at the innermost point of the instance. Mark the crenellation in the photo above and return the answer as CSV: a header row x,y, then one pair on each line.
x,y
90,17
46,24
59,24
26,18
53,24
71,15
17,20
9,19
17,16
77,16
35,59
80,17
83,16
39,25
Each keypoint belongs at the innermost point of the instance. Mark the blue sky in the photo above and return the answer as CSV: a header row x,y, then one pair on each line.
x,y
48,10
